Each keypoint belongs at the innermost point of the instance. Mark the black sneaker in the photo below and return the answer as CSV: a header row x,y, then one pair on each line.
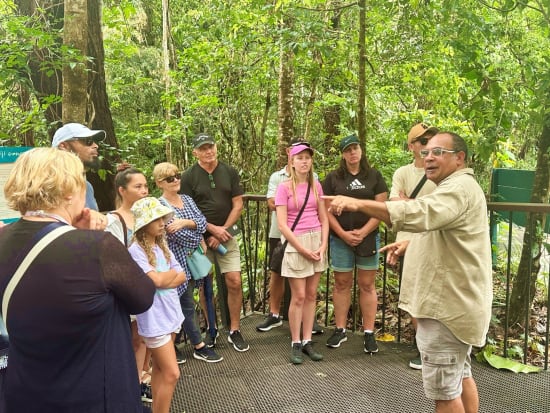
x,y
337,338
370,343
146,395
270,322
207,354
238,342
317,329
180,359
296,356
310,351
209,340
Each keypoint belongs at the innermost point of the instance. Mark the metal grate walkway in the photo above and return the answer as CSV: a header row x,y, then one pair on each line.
x,y
262,380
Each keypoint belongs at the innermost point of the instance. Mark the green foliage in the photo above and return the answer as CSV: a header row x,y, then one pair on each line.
x,y
477,70
487,355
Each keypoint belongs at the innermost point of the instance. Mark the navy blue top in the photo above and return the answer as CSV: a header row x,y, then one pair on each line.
x,y
68,322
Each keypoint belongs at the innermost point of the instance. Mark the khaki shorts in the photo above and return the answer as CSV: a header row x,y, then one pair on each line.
x,y
445,360
231,261
295,265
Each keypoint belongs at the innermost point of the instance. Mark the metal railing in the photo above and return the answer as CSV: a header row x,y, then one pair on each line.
x,y
255,223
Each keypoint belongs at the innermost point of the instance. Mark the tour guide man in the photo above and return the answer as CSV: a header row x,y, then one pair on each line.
x,y
447,281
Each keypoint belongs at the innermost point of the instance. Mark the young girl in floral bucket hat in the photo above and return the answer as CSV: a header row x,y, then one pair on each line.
x,y
162,321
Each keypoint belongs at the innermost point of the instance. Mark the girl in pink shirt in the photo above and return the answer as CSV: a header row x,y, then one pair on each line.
x,y
305,254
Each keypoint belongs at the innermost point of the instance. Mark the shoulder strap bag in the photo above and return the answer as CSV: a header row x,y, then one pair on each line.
x,y
53,231
418,187
279,251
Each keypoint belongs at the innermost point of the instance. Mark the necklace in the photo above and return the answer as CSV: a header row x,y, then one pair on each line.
x,y
43,214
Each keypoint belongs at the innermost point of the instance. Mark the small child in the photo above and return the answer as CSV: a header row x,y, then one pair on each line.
x,y
162,321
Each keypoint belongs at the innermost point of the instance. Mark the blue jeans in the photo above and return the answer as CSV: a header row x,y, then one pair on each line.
x,y
188,308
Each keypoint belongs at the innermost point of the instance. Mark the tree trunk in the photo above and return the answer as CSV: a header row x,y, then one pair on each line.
x,y
361,112
75,78
166,72
98,114
285,115
45,85
524,287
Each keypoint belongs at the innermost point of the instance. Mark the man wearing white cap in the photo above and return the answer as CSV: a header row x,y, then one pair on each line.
x,y
82,141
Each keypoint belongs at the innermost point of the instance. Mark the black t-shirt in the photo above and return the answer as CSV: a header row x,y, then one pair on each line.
x,y
364,185
213,193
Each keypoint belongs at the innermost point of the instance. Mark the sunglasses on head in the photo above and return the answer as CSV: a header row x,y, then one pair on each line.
x,y
301,143
422,140
85,141
171,179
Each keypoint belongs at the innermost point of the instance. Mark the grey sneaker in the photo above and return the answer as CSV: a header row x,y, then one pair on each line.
x,y
270,322
310,351
317,329
238,341
370,343
207,354
296,354
209,340
416,363
337,338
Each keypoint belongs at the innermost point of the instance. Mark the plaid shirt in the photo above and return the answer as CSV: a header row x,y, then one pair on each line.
x,y
186,240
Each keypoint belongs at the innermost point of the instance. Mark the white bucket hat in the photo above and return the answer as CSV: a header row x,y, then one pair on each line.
x,y
147,210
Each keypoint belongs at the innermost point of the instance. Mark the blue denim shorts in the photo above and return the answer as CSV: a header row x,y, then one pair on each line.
x,y
343,258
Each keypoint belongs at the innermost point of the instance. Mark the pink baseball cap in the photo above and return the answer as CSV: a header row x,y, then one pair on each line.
x,y
300,147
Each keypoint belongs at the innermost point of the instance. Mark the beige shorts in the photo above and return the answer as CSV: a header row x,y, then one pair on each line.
x,y
445,360
295,265
231,261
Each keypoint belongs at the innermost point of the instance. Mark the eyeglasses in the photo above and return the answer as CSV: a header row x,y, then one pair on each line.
x,y
171,179
435,152
85,141
422,140
212,183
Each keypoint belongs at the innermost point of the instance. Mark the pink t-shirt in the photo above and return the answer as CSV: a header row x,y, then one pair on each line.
x,y
309,221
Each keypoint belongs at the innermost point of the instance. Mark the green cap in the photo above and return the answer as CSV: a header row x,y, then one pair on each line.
x,y
347,141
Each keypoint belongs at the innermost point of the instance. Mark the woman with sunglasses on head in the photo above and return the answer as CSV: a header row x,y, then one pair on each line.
x,y
303,222
131,185
185,234
354,241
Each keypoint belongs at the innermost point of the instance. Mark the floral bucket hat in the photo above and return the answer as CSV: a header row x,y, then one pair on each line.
x,y
147,210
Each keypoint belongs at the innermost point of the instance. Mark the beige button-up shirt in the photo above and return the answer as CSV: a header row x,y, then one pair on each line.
x,y
447,273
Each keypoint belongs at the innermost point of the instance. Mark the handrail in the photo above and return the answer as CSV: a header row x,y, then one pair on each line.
x,y
255,223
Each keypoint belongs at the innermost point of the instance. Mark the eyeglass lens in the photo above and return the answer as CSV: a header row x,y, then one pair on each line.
x,y
423,141
435,152
172,178
86,141
212,183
